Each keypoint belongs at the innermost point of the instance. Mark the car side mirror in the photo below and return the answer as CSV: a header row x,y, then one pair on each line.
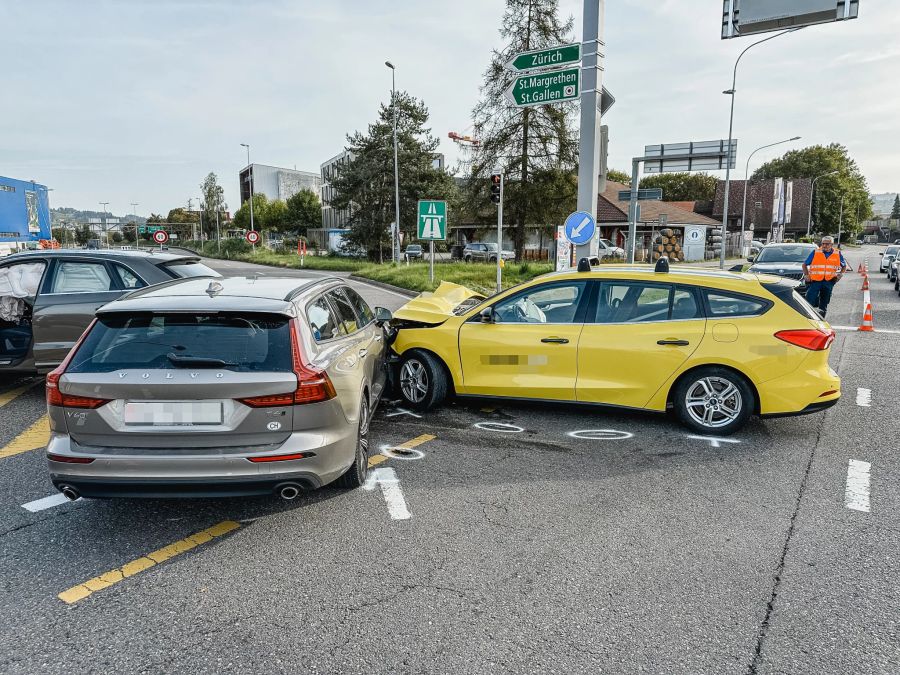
x,y
882,253
487,315
382,316
751,258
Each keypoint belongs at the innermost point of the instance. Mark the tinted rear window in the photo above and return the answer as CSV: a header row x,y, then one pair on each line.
x,y
189,268
247,343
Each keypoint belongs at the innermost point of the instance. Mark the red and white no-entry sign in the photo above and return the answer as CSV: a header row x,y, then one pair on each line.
x,y
160,236
253,236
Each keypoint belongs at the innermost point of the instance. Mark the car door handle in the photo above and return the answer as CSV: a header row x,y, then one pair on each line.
x,y
556,341
363,352
677,343
377,338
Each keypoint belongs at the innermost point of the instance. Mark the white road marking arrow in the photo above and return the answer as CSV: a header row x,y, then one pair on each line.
x,y
578,228
714,441
390,488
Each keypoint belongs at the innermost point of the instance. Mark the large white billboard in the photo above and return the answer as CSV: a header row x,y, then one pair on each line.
x,y
750,17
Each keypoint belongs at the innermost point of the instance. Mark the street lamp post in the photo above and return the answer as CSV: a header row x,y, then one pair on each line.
x,y
134,206
250,180
747,177
731,92
395,234
105,225
812,194
200,212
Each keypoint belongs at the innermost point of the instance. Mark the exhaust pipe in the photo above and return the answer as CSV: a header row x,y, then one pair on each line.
x,y
289,492
69,492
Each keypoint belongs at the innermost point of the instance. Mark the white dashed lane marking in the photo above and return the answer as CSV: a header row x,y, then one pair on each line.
x,y
856,496
863,397
45,503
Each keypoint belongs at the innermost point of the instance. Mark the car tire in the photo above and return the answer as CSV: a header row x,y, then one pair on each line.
x,y
422,381
467,259
492,260
700,399
356,475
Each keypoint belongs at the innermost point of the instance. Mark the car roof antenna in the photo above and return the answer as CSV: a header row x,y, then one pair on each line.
x,y
662,265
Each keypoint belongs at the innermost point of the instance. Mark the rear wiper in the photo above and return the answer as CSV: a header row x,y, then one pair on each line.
x,y
197,361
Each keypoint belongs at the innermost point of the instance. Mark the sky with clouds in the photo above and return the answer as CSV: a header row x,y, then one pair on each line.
x,y
137,100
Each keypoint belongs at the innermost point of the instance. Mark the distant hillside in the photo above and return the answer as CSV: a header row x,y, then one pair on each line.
x,y
69,215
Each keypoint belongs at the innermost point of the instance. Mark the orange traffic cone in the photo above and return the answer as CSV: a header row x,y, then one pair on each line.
x,y
867,325
860,270
865,285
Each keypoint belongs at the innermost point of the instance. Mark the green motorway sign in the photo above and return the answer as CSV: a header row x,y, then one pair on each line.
x,y
432,219
554,86
545,58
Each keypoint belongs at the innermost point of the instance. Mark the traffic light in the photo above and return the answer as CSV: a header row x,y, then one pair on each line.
x,y
496,180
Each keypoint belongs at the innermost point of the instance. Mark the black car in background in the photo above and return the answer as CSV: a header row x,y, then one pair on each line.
x,y
49,297
783,260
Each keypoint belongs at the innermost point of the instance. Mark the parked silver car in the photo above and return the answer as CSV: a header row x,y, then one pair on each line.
x,y
219,387
478,252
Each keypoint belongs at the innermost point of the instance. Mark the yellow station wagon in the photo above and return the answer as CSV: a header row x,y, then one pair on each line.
x,y
714,347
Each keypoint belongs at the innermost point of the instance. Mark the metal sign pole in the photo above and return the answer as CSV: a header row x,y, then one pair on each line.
x,y
500,236
632,209
431,270
589,143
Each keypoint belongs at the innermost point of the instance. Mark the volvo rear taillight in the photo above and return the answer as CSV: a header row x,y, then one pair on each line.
x,y
313,384
55,396
813,339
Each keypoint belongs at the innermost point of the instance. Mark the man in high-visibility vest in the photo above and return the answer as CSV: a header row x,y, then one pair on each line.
x,y
822,270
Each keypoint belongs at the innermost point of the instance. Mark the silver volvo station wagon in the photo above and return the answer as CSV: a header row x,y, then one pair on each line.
x,y
200,388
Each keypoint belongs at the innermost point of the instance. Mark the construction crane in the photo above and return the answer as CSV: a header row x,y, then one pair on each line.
x,y
467,147
463,140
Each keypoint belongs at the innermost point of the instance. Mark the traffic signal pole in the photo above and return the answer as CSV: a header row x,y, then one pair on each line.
x,y
497,198
591,88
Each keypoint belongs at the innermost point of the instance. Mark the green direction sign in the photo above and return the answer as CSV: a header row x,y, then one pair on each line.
x,y
554,86
432,219
545,58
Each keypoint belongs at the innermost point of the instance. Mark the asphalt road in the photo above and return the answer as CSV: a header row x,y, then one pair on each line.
x,y
529,546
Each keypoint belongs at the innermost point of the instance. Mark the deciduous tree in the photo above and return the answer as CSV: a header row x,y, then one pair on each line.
x,y
683,187
304,212
848,182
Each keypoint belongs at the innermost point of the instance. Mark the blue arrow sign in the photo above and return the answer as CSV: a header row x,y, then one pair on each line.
x,y
580,227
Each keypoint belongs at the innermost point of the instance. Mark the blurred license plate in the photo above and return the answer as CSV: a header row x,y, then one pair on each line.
x,y
173,413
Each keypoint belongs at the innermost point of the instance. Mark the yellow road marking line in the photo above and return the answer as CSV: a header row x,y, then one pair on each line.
x,y
418,440
107,579
12,394
33,438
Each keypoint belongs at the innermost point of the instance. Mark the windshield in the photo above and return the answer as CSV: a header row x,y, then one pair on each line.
x,y
491,247
413,247
248,343
189,268
606,242
891,250
781,254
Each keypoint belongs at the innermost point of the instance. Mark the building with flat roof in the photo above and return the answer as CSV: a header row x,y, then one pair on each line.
x,y
332,217
883,203
24,211
277,182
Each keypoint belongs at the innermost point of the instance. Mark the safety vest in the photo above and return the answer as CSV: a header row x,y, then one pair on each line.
x,y
823,268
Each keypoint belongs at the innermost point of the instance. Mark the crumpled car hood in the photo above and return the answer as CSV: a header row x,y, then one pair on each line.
x,y
436,307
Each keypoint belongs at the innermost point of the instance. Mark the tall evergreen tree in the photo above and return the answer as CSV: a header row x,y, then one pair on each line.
x,y
895,212
536,148
365,186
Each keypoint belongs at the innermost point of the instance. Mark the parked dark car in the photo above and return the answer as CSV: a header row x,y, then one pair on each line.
x,y
478,252
48,298
413,251
783,260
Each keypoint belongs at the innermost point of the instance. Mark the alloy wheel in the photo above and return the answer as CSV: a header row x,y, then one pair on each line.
x,y
414,381
713,402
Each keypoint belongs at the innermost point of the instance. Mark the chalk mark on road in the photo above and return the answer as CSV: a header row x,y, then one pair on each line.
x,y
600,435
715,441
856,494
499,427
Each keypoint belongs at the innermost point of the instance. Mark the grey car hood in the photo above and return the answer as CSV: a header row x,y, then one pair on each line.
x,y
777,268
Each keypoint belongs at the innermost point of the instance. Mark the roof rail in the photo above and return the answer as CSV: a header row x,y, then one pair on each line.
x,y
138,292
303,287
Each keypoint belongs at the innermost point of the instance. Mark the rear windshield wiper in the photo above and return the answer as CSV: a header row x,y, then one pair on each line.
x,y
197,361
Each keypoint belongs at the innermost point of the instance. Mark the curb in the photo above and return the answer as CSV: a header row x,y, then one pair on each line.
x,y
388,287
